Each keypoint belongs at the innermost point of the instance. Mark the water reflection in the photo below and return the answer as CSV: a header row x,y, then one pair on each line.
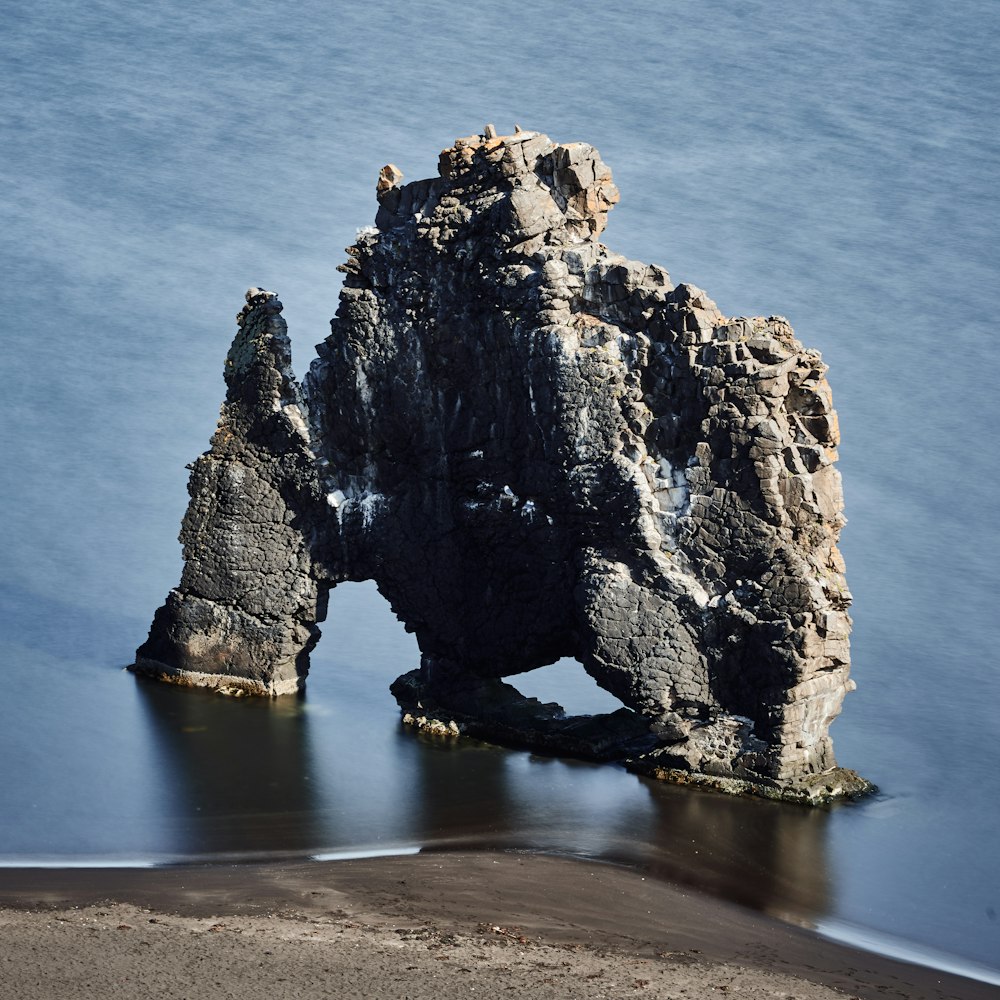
x,y
287,776
462,791
302,776
768,855
242,772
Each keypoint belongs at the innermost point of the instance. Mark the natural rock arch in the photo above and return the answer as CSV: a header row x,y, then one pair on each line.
x,y
537,449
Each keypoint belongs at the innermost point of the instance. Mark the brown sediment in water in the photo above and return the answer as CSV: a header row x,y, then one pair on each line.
x,y
436,924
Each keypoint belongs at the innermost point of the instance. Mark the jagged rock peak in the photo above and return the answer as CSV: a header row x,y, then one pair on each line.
x,y
537,448
528,186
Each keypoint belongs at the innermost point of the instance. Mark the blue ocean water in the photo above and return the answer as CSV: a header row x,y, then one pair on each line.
x,y
836,164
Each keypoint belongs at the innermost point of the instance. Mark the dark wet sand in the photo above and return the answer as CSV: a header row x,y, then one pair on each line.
x,y
438,924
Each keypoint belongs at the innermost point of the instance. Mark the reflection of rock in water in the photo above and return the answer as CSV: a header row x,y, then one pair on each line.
x,y
538,449
767,855
462,793
241,774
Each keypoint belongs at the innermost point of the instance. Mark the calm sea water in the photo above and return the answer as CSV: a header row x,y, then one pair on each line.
x,y
834,163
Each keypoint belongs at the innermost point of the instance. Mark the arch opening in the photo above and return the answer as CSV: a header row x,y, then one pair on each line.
x,y
566,683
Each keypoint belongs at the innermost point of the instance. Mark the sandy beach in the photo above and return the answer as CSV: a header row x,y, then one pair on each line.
x,y
440,924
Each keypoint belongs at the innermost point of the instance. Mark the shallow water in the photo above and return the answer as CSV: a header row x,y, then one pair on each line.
x,y
834,165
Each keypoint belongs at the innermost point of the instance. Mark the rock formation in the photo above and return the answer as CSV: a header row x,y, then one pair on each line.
x,y
537,449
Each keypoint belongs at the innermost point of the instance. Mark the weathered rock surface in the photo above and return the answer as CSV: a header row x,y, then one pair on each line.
x,y
243,619
538,449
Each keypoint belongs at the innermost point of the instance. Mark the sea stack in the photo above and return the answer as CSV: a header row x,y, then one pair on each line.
x,y
537,448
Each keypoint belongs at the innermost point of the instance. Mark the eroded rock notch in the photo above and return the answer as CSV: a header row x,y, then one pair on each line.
x,y
537,449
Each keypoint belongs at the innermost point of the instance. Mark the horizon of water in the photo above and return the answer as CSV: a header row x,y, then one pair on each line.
x,y
837,166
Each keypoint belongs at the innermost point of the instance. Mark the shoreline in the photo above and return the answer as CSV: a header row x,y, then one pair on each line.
x,y
426,923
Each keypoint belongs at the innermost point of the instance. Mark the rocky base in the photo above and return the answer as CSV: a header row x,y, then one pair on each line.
x,y
227,684
496,712
837,784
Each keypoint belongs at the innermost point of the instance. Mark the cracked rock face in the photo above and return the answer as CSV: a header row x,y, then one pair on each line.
x,y
537,449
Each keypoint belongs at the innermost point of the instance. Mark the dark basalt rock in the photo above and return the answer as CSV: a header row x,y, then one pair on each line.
x,y
537,449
